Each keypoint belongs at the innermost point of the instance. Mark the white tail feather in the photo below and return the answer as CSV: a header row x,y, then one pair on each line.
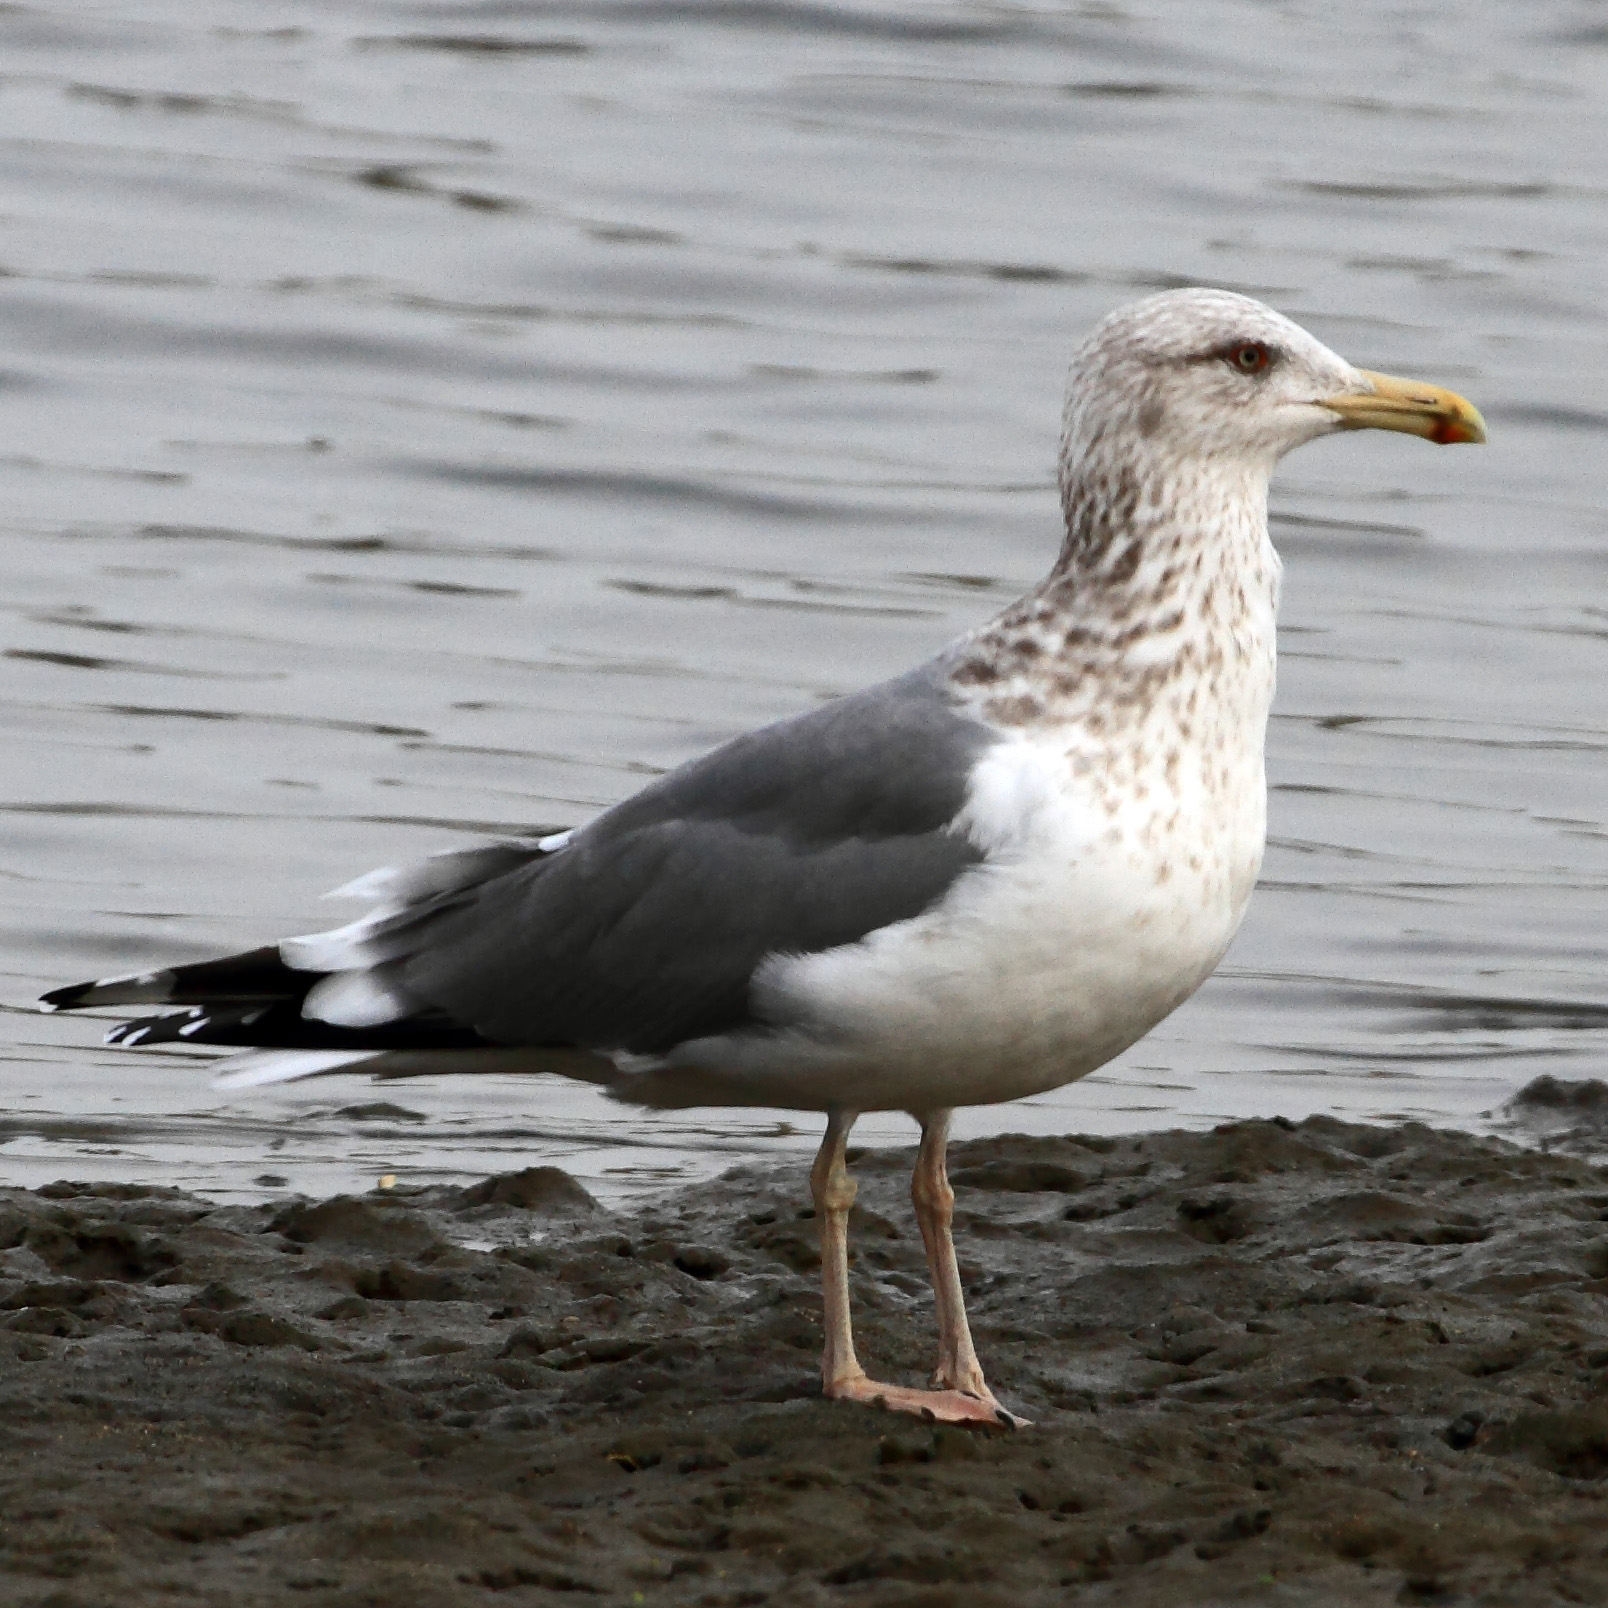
x,y
258,1067
446,871
339,949
371,887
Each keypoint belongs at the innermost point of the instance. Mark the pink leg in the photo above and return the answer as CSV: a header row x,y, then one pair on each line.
x,y
834,1193
958,1367
842,1377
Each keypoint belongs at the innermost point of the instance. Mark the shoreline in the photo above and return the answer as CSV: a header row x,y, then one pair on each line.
x,y
1314,1363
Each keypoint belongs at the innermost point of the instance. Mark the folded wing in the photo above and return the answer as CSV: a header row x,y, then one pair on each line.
x,y
636,933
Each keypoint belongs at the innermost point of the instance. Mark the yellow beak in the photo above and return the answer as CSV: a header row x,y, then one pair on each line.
x,y
1409,406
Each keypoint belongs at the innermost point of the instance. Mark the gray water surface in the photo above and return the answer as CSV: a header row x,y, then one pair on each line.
x,y
420,420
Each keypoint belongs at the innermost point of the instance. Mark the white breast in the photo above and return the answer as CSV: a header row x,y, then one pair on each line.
x,y
1109,891
1121,840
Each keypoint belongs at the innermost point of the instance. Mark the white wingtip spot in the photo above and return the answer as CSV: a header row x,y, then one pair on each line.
x,y
135,980
137,988
554,841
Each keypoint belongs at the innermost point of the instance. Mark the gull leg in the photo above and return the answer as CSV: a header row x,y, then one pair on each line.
x,y
834,1193
958,1368
842,1377
934,1200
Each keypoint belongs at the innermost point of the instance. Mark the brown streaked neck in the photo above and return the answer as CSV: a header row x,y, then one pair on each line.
x,y
1157,573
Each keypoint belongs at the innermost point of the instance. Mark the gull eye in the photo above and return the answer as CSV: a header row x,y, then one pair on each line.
x,y
1250,357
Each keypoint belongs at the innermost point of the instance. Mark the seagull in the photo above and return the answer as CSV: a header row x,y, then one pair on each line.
x,y
975,882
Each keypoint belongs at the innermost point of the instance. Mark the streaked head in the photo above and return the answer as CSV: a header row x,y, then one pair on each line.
x,y
1210,374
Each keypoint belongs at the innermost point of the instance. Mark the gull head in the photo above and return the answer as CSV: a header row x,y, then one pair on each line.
x,y
1208,377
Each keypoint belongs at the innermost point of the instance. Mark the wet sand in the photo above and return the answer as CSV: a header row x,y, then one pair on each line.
x,y
1284,1363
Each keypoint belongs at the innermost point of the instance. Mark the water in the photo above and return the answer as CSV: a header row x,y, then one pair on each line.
x,y
426,419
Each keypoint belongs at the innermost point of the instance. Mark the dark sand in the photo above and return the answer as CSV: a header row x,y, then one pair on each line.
x,y
1316,1364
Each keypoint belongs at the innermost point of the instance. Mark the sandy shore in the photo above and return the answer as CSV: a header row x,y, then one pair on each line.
x,y
1316,1363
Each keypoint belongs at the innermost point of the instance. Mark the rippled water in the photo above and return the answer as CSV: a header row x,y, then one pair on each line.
x,y
425,419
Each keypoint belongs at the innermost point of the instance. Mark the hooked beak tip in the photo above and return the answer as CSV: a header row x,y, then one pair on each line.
x,y
1410,407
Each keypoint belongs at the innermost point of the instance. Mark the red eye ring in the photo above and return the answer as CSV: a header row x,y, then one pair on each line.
x,y
1250,357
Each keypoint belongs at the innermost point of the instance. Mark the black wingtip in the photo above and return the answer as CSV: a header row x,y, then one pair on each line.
x,y
64,999
141,988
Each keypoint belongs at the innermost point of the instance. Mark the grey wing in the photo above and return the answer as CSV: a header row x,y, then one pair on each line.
x,y
645,929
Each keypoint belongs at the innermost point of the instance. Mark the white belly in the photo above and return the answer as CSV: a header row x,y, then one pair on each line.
x,y
1104,902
